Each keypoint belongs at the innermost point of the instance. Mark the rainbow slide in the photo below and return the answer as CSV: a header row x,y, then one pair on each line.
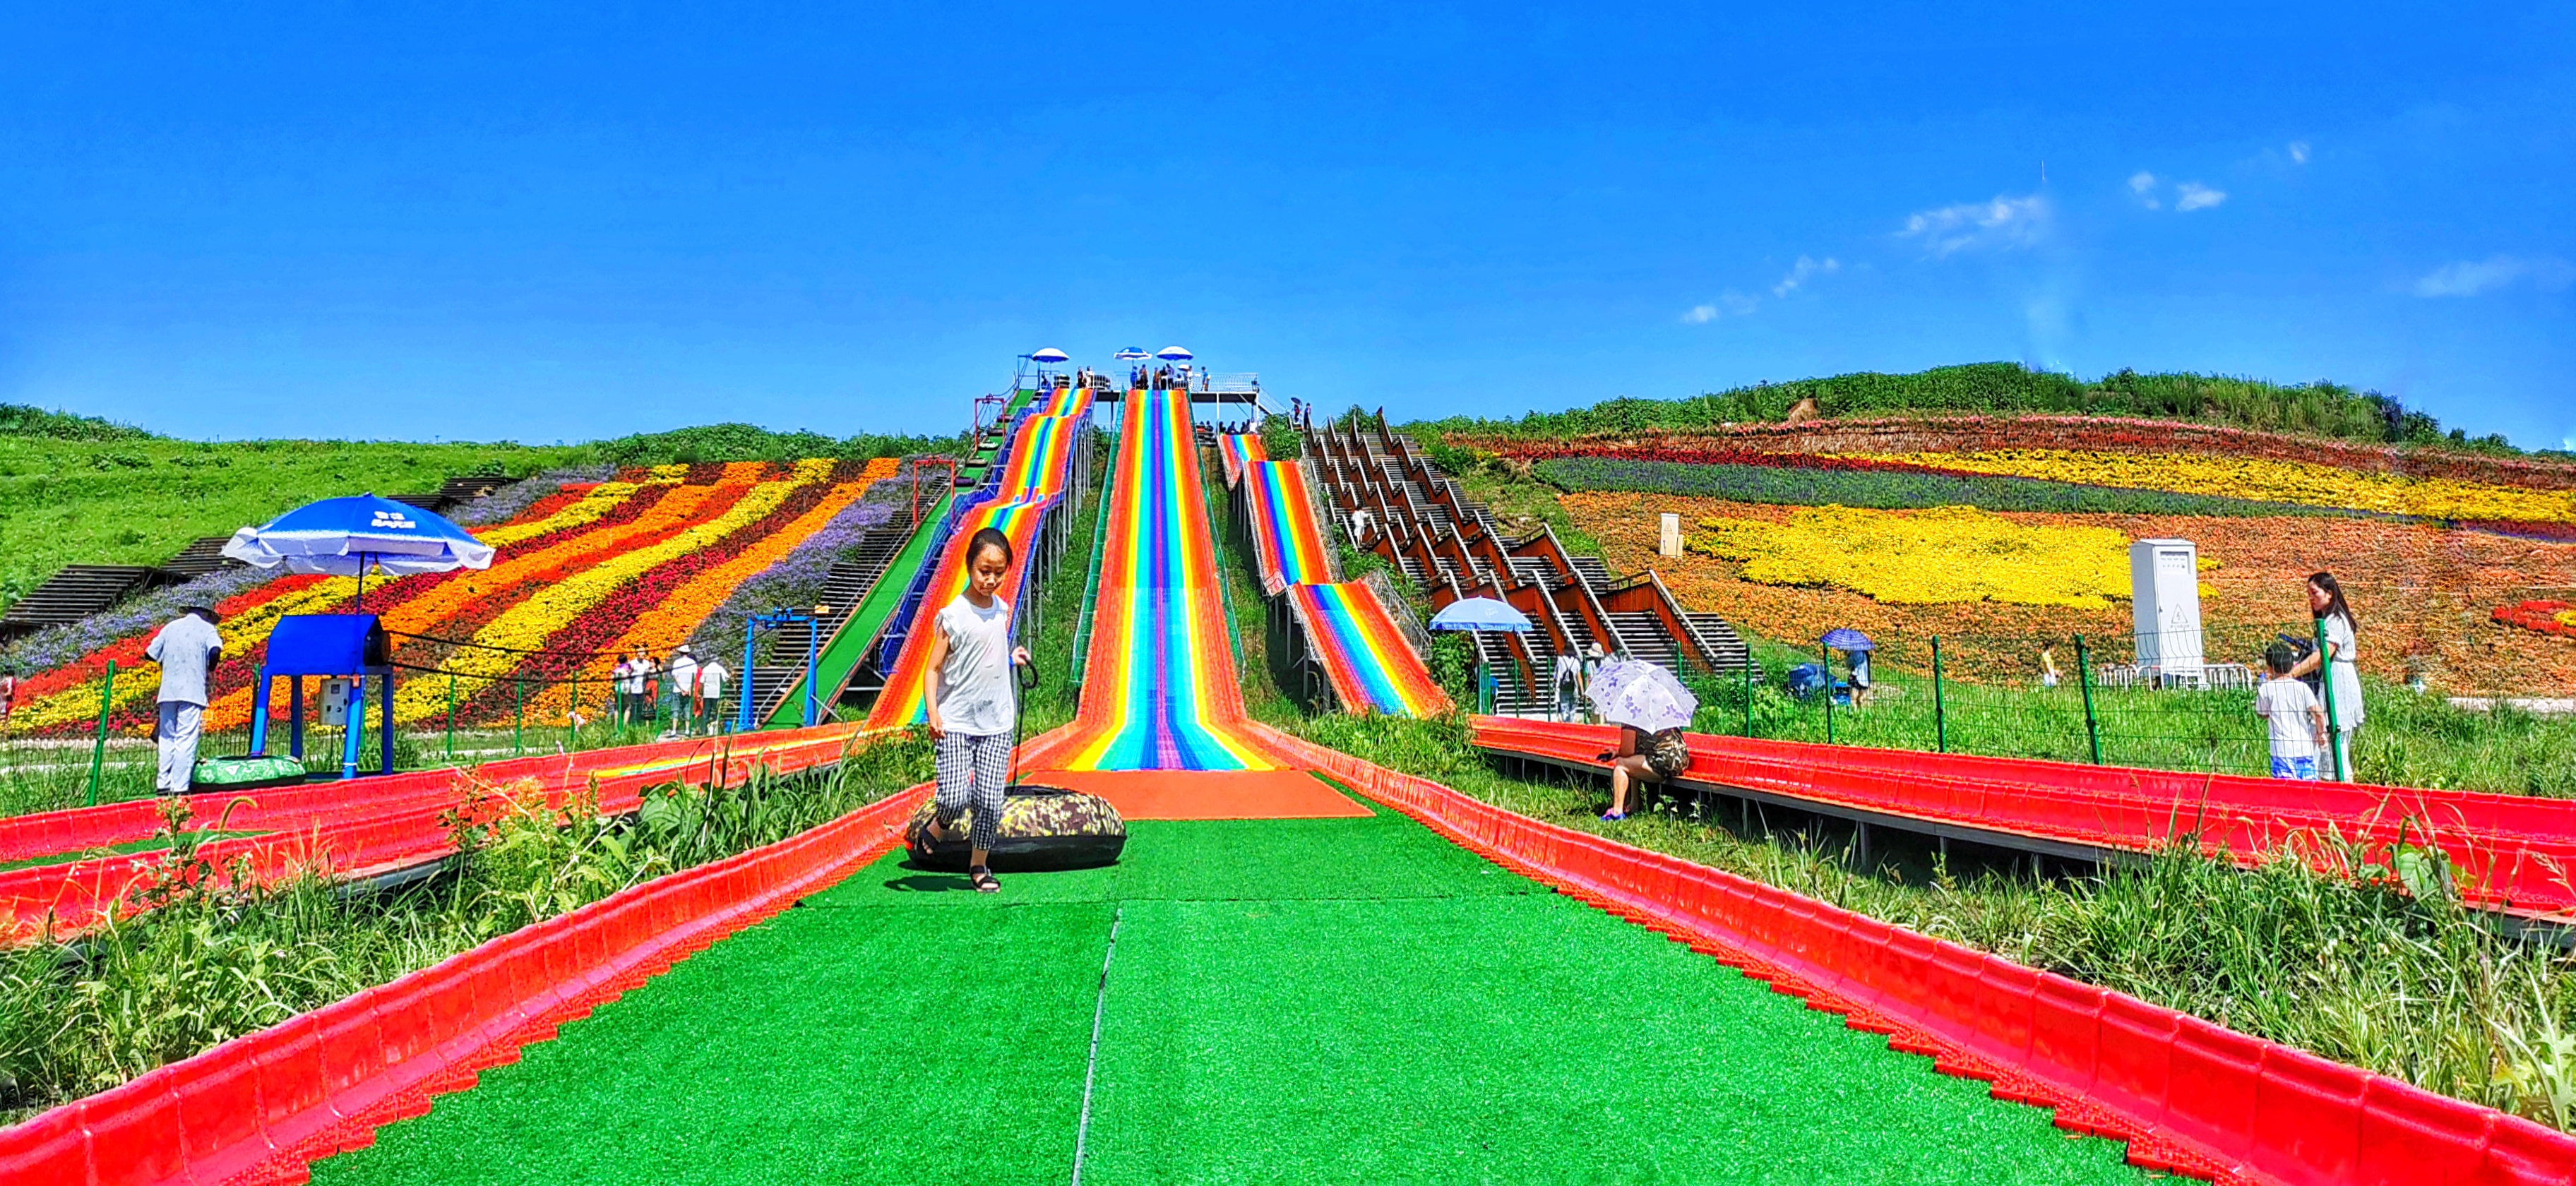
x,y
1031,483
1159,689
1365,657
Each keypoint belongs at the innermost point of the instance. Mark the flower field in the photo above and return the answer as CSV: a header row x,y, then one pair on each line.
x,y
2548,617
2426,595
641,559
1798,479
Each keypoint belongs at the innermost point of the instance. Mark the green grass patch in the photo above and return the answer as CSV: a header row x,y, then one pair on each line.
x,y
1347,1000
2416,988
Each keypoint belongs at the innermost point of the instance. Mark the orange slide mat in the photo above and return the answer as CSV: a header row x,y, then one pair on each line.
x,y
1207,794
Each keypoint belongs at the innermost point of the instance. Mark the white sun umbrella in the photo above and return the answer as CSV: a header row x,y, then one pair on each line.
x,y
1050,354
1174,354
1641,695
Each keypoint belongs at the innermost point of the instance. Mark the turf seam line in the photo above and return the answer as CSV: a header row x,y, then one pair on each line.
x,y
1099,1007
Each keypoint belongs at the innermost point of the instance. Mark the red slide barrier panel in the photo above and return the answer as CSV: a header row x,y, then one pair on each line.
x,y
2514,853
2187,1095
372,829
261,1107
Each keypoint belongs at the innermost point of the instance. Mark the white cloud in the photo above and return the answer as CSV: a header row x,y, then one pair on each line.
x,y
2141,181
2298,152
1804,270
1728,304
2195,196
2471,277
2004,222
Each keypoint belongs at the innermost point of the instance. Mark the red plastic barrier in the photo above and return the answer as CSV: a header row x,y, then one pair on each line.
x,y
2514,853
380,832
2187,1095
260,1107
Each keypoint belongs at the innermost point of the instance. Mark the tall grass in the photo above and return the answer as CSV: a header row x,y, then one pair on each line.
x,y
2414,987
212,964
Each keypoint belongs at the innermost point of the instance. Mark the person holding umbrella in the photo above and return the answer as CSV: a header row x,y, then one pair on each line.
x,y
187,650
1651,708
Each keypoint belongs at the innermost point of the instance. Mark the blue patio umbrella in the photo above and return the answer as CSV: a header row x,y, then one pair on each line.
x,y
1480,613
1049,354
1844,638
347,536
1132,354
1174,354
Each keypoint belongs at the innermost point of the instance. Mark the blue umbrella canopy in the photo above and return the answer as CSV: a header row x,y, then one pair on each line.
x,y
1480,613
342,536
1844,638
1131,354
1174,354
1050,354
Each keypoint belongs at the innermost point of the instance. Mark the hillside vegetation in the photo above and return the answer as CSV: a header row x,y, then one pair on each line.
x,y
2321,408
81,490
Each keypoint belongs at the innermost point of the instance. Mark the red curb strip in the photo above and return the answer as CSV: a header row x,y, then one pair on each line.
x,y
258,1109
388,828
2515,853
2188,1096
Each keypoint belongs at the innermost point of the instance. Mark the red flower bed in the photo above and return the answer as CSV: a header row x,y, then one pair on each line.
x,y
2542,616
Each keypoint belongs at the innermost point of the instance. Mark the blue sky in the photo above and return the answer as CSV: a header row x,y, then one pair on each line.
x,y
488,223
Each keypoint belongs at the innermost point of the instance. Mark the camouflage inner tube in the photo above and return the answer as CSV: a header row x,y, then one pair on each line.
x,y
1043,827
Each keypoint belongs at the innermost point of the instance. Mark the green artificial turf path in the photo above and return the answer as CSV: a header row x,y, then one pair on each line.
x,y
1288,1001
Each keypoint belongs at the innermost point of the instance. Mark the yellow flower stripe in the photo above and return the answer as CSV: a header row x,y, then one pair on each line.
x,y
526,626
669,624
2301,482
601,499
240,633
1947,554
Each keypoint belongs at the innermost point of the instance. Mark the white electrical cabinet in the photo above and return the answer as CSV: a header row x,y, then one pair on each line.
x,y
2164,590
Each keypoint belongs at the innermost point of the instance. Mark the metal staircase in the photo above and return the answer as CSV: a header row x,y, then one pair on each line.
x,y
844,588
1388,499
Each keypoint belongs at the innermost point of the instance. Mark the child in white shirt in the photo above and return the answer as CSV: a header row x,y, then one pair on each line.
x,y
2298,720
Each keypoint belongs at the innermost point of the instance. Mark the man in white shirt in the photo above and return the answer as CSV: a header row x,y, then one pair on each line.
x,y
711,690
187,650
681,686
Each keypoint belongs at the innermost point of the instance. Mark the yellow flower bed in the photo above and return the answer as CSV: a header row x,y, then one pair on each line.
x,y
526,626
1947,554
2304,483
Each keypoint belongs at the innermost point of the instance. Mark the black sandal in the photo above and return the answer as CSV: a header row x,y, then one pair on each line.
x,y
982,876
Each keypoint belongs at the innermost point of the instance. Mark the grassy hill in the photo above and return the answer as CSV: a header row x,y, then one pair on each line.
x,y
2319,409
77,489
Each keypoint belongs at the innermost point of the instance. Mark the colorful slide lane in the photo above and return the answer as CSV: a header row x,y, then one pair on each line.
x,y
1160,691
1030,484
2515,854
1364,655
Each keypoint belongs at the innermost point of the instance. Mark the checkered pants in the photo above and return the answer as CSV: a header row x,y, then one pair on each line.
x,y
973,770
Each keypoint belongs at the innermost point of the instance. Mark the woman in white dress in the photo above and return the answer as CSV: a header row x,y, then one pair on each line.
x,y
2342,679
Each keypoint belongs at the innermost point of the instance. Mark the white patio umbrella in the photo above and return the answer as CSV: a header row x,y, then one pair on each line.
x,y
1641,695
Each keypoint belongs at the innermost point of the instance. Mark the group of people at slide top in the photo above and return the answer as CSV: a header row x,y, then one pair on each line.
x,y
974,705
1164,378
